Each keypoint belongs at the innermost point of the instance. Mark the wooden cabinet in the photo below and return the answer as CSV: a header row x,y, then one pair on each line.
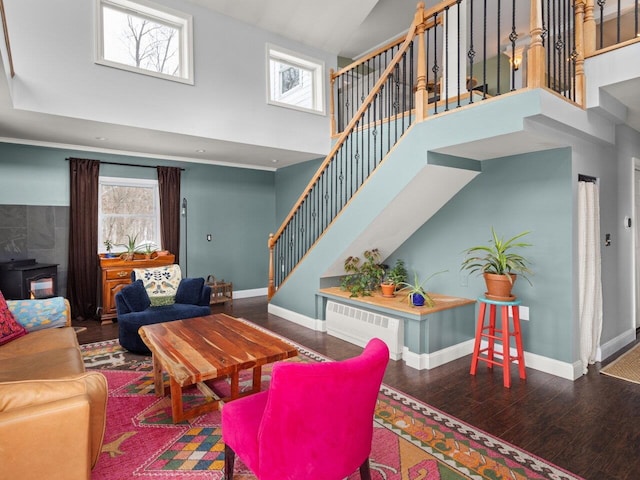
x,y
115,274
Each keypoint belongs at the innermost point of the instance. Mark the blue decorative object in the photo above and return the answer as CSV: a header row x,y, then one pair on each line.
x,y
417,300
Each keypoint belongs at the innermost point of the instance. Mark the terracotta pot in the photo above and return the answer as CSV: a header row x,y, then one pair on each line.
x,y
499,287
388,289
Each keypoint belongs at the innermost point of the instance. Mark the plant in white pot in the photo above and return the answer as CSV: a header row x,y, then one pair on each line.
x,y
499,263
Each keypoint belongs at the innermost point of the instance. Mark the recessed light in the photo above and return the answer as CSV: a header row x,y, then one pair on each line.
x,y
274,160
102,139
200,150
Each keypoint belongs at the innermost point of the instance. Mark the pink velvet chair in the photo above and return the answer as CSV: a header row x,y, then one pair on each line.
x,y
315,422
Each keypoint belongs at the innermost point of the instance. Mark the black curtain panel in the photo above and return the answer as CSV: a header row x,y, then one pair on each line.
x,y
169,188
82,282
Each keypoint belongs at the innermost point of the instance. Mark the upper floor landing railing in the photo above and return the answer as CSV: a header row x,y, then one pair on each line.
x,y
455,54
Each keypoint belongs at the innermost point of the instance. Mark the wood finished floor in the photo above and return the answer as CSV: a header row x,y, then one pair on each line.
x,y
590,427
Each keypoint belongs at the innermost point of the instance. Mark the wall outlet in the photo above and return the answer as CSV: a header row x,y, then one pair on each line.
x,y
524,313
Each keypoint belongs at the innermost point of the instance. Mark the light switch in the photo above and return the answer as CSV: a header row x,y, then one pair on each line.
x,y
209,237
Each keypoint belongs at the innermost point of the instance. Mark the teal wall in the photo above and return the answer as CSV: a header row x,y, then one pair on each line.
x,y
513,194
237,206
290,181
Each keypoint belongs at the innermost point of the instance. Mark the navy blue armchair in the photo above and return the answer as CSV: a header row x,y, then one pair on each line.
x,y
134,309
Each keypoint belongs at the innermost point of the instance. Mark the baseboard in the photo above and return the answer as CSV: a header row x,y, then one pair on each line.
x,y
427,361
298,319
255,292
616,344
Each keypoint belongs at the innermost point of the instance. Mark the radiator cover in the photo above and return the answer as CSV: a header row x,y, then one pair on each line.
x,y
358,326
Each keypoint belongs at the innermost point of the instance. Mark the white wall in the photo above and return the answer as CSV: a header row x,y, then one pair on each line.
x,y
53,51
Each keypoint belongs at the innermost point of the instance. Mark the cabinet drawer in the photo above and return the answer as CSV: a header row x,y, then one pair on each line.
x,y
119,273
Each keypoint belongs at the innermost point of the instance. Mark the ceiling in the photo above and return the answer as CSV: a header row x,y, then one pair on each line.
x,y
346,28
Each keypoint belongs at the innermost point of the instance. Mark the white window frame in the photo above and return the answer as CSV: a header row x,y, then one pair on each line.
x,y
130,182
301,61
157,13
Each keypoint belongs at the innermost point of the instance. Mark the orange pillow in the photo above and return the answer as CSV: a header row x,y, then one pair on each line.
x,y
10,329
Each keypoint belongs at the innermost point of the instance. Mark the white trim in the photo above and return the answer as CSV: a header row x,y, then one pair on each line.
x,y
297,59
181,21
427,361
255,292
616,344
298,319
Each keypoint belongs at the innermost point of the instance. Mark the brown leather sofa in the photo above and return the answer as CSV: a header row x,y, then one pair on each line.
x,y
52,412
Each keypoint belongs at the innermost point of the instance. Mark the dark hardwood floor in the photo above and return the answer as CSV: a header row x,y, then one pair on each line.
x,y
590,427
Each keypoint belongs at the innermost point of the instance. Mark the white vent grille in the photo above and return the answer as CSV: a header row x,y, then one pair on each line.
x,y
359,326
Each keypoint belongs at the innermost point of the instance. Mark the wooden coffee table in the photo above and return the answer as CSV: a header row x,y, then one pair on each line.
x,y
195,350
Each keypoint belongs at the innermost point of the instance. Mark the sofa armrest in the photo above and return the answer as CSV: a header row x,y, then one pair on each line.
x,y
50,440
23,395
121,305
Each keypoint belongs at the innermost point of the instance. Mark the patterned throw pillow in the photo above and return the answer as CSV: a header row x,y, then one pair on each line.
x,y
9,328
161,283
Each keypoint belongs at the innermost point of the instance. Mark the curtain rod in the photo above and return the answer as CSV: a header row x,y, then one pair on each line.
x,y
130,165
587,178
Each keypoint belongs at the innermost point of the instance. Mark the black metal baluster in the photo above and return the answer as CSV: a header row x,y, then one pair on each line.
x,y
445,77
436,68
458,55
618,23
499,14
513,37
601,4
471,53
484,51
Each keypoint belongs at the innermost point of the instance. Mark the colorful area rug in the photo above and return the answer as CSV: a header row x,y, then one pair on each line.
x,y
411,439
626,366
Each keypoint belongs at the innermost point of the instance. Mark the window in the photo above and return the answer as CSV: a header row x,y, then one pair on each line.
x,y
295,81
141,37
128,207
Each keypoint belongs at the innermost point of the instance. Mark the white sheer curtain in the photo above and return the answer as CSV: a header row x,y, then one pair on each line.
x,y
590,284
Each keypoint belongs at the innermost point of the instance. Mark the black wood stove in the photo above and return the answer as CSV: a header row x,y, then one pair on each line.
x,y
21,279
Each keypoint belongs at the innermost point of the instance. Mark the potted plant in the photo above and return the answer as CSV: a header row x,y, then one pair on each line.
x,y
362,277
130,247
416,293
499,264
108,244
148,248
393,277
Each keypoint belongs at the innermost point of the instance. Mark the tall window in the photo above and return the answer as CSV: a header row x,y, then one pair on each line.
x,y
145,38
128,208
295,81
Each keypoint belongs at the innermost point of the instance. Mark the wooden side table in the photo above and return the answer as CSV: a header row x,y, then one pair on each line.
x,y
221,292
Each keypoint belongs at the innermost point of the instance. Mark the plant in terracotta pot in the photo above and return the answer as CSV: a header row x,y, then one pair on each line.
x,y
363,277
398,273
416,293
500,263
130,247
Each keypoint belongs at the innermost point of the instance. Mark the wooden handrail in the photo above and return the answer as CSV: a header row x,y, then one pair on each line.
x,y
350,127
273,238
369,56
6,38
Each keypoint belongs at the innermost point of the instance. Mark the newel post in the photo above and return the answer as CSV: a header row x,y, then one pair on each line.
x,y
421,71
271,289
536,54
579,31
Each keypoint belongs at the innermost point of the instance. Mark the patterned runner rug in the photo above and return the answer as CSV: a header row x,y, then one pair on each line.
x,y
412,440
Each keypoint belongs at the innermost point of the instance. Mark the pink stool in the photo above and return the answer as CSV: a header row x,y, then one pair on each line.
x,y
503,336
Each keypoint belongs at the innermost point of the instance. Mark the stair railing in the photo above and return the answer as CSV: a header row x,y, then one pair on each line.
x,y
374,129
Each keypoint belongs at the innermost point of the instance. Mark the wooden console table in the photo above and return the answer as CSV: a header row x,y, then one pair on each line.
x,y
115,273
